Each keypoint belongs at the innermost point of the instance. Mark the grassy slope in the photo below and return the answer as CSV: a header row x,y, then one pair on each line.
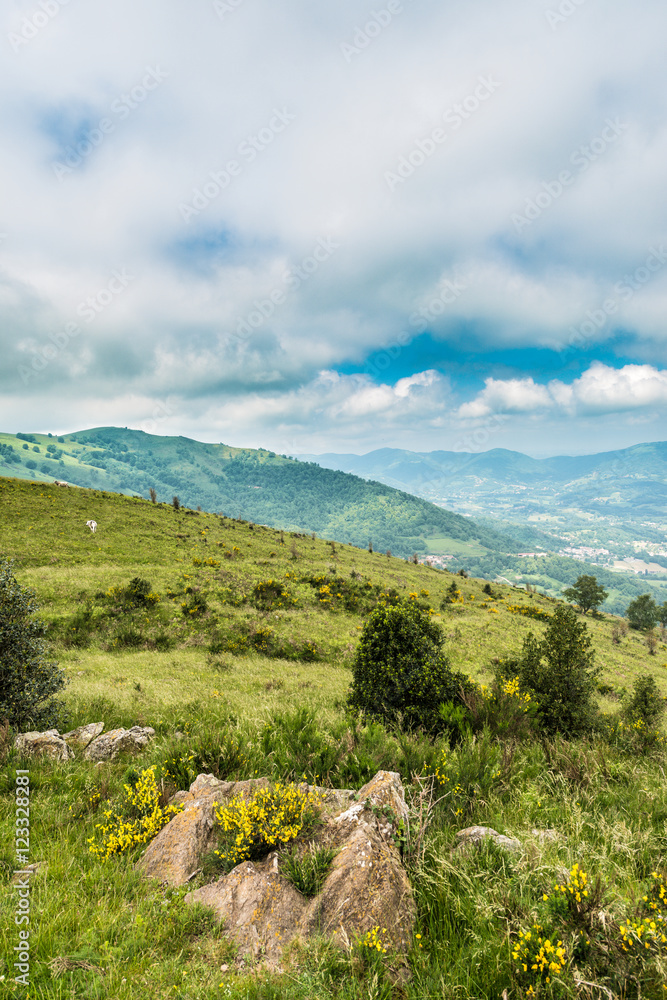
x,y
611,813
43,528
254,484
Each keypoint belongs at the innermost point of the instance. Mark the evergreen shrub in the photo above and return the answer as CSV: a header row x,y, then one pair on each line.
x,y
400,674
28,678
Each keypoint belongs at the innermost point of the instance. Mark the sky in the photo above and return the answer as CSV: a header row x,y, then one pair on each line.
x,y
334,227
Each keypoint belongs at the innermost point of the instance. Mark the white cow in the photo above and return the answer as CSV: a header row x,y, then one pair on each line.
x,y
92,525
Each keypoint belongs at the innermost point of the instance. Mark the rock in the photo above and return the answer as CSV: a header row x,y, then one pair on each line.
x,y
366,887
543,836
81,737
173,856
49,744
260,909
474,835
109,745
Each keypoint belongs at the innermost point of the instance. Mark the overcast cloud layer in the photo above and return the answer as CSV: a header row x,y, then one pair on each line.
x,y
336,227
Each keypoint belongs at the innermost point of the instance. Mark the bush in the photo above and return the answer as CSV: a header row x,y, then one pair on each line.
x,y
559,670
400,673
138,819
27,678
646,703
270,819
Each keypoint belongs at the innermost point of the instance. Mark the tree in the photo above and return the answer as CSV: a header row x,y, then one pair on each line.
x,y
28,679
662,613
176,503
153,495
587,593
559,669
400,671
643,613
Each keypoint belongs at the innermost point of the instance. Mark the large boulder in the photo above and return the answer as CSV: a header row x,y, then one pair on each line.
x,y
78,739
49,744
366,887
109,745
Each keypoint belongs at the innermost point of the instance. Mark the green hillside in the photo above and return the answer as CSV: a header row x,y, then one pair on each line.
x,y
256,485
235,641
187,555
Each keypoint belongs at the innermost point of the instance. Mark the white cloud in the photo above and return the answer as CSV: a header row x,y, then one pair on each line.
x,y
322,176
600,390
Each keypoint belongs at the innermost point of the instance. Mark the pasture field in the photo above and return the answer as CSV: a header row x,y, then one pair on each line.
x,y
219,634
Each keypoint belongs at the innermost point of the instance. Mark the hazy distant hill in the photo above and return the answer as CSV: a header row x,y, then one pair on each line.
x,y
257,485
631,483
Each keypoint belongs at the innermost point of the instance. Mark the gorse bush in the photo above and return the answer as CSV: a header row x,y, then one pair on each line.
x,y
136,820
28,679
250,828
400,674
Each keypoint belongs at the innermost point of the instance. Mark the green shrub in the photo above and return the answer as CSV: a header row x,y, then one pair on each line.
x,y
400,674
646,703
28,679
559,670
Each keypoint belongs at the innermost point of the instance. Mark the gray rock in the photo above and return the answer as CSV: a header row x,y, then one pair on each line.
x,y
81,737
366,887
472,836
109,745
49,744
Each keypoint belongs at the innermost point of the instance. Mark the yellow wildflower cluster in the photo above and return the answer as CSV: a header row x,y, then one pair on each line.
x,y
271,818
373,940
529,611
657,894
576,885
539,954
513,690
140,819
648,935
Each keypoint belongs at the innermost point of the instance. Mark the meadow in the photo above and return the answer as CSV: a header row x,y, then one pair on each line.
x,y
235,642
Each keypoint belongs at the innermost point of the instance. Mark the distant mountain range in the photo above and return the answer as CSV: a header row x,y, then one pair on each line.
x,y
630,484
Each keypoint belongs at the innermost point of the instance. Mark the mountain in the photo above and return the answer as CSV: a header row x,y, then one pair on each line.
x,y
256,485
631,483
602,514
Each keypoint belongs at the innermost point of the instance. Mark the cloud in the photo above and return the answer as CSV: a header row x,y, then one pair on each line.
x,y
600,390
278,142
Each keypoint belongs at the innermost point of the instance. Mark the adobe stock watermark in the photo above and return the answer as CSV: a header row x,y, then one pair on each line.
x,y
225,7
161,411
35,22
625,290
565,10
263,309
454,117
248,150
582,158
478,439
21,880
420,320
121,107
364,34
88,310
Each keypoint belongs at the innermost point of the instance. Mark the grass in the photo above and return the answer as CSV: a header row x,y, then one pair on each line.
x,y
99,930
